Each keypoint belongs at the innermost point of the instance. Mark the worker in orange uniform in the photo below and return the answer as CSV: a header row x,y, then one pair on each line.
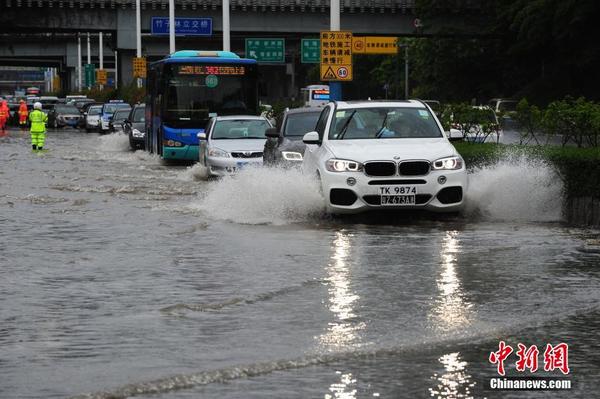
x,y
23,113
4,115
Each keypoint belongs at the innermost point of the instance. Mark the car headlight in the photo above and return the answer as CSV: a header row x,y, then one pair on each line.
x,y
137,133
218,153
449,163
291,156
343,165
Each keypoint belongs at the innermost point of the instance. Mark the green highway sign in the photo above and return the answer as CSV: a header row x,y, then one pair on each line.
x,y
90,75
311,51
266,50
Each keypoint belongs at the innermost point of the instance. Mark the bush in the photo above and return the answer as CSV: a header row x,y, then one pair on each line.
x,y
529,118
578,168
474,122
574,120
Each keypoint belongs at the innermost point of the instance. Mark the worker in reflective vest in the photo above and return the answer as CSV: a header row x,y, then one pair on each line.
x,y
38,121
4,115
23,113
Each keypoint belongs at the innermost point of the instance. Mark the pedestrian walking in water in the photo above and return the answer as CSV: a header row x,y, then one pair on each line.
x,y
23,113
4,115
38,121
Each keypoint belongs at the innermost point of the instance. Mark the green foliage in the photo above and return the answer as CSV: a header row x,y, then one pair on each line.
x,y
529,117
578,168
577,121
475,123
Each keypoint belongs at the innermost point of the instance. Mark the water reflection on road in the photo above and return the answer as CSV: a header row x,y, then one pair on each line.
x,y
122,276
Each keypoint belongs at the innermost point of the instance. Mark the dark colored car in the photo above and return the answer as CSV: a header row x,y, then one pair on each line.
x,y
135,127
61,115
117,120
284,147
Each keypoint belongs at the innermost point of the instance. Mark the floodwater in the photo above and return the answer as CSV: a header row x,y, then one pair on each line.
x,y
123,277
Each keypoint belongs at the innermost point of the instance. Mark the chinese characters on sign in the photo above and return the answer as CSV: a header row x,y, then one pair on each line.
x,y
555,357
311,51
214,70
101,76
139,67
375,45
266,50
336,55
183,26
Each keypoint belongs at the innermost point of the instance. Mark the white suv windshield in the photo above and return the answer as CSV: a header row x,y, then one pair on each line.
x,y
383,123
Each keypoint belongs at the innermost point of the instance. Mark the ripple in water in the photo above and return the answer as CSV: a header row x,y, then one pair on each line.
x,y
117,142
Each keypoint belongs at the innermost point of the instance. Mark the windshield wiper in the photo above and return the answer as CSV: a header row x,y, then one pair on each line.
x,y
380,131
345,127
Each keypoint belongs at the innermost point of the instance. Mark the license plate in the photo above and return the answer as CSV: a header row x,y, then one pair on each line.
x,y
397,195
240,165
387,200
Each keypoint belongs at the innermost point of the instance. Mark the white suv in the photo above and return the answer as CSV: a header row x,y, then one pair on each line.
x,y
384,155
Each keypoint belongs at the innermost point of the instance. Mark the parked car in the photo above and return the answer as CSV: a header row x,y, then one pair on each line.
x,y
284,146
232,142
503,106
384,155
482,127
48,103
61,115
118,119
92,118
108,109
135,127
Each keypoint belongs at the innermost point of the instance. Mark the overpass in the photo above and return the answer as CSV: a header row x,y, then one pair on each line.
x,y
44,33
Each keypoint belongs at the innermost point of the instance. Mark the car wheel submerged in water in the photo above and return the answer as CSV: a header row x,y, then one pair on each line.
x,y
384,155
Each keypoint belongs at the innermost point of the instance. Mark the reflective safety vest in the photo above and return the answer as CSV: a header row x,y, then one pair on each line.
x,y
23,111
4,113
38,121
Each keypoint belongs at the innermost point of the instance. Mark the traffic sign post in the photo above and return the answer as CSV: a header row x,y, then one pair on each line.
x,y
266,50
90,75
139,67
336,56
311,51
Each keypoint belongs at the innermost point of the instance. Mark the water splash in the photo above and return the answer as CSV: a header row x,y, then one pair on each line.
x,y
118,142
516,189
196,172
263,196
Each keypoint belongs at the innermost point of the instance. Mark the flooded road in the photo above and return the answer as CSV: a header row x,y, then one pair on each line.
x,y
121,277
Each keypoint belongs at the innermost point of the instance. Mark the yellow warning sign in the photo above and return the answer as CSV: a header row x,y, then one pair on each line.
x,y
375,45
336,55
139,67
101,77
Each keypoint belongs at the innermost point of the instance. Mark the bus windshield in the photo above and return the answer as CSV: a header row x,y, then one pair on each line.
x,y
196,91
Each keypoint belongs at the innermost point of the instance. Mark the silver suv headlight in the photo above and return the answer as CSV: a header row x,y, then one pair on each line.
x,y
343,165
218,153
448,163
291,156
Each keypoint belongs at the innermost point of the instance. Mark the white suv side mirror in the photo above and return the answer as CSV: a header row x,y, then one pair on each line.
x,y
201,136
311,138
